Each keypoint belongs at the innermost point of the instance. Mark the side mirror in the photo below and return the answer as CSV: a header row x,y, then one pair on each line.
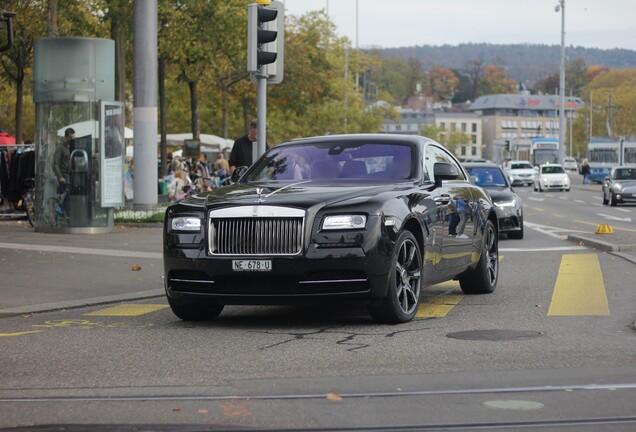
x,y
444,171
238,173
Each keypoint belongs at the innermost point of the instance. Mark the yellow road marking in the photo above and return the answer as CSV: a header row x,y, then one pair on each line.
x,y
438,306
579,289
19,333
128,310
437,300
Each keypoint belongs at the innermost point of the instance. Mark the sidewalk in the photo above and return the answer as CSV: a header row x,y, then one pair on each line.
x,y
46,272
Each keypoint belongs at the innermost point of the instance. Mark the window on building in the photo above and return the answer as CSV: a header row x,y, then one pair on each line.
x,y
473,151
474,128
453,127
473,139
464,129
442,125
463,150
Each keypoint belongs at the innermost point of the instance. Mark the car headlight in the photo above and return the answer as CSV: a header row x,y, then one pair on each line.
x,y
186,223
545,179
503,204
617,187
344,222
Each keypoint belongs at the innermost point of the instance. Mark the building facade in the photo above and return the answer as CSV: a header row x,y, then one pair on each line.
x,y
411,121
511,121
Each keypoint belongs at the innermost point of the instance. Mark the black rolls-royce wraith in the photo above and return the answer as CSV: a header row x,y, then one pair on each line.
x,y
371,218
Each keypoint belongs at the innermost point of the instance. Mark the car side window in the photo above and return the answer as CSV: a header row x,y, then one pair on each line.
x,y
434,154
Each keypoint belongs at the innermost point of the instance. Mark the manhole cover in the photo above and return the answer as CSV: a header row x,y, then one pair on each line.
x,y
495,335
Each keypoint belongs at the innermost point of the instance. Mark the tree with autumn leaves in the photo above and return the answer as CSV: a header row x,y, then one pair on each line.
x,y
329,87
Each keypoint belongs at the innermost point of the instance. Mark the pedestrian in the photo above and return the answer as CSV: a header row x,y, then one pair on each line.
x,y
221,167
585,171
241,154
61,169
177,188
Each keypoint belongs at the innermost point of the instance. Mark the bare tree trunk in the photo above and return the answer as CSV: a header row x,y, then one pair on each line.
x,y
51,28
118,33
163,146
19,103
194,110
224,94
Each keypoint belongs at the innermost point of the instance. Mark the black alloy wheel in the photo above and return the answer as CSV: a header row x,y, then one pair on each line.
x,y
483,280
403,294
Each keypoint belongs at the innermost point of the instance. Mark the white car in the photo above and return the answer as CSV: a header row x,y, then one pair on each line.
x,y
551,177
570,164
520,172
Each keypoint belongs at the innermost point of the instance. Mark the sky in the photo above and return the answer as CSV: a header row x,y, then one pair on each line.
x,y
601,24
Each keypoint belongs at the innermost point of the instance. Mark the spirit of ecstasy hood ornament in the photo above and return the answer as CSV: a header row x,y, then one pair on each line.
x,y
259,191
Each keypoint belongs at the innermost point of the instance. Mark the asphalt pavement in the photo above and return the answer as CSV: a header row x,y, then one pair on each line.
x,y
42,272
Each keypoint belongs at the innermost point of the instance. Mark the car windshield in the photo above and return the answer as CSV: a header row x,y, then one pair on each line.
x,y
522,165
487,176
625,174
336,160
554,169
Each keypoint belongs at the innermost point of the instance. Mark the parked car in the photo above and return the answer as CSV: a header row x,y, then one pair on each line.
x,y
620,186
570,164
349,217
508,204
551,177
520,173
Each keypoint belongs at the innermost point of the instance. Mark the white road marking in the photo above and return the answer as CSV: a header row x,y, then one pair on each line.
x,y
579,201
531,198
623,210
614,218
547,249
554,232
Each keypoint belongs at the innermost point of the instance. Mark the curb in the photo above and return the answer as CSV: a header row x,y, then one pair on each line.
x,y
75,304
601,245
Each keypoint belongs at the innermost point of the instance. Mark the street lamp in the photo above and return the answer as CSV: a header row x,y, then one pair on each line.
x,y
557,8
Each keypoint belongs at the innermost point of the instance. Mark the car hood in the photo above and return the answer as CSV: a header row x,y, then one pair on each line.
x,y
303,194
500,194
521,171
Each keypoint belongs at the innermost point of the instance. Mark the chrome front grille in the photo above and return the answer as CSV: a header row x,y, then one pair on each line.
x,y
256,230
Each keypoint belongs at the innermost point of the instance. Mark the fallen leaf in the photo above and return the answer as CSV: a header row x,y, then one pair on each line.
x,y
136,267
333,397
176,409
202,411
26,315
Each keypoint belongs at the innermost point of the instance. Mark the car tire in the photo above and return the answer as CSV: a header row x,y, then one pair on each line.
x,y
604,199
612,200
483,280
405,281
188,311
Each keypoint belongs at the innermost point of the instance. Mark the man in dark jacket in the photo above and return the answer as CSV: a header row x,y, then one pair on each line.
x,y
241,154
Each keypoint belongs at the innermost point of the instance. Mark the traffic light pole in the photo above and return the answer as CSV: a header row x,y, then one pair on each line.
x,y
261,108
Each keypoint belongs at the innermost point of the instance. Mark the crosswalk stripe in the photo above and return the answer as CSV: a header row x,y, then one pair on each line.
x,y
579,288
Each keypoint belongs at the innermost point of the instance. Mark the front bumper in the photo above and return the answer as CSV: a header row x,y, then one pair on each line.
x,y
510,219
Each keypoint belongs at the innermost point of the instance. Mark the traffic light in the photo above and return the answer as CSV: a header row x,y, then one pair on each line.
x,y
265,38
6,23
507,145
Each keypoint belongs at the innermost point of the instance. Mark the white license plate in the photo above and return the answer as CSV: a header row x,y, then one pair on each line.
x,y
252,265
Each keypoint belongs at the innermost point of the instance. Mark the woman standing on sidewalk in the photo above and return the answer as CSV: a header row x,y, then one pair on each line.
x,y
585,171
